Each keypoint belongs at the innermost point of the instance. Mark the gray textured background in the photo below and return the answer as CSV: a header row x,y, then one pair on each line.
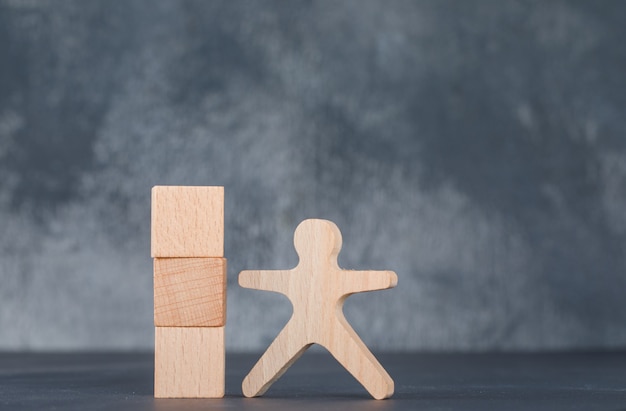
x,y
476,148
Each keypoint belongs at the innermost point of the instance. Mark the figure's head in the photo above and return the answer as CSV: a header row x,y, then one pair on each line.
x,y
317,239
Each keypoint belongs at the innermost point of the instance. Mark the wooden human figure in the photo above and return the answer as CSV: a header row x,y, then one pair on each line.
x,y
318,288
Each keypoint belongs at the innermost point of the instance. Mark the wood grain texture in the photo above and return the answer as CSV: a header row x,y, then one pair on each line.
x,y
318,288
187,221
189,362
189,292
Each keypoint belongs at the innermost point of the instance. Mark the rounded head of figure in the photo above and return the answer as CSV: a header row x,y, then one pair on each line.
x,y
317,239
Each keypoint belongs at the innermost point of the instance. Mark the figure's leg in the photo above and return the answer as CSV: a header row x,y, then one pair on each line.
x,y
346,346
284,351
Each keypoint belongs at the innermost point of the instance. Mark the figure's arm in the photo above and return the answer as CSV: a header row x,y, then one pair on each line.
x,y
359,281
274,280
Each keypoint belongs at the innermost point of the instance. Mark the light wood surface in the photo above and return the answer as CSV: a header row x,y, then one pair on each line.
x,y
189,362
187,241
318,288
189,292
187,221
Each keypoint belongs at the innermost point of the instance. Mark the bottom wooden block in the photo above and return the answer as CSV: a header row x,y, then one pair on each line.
x,y
189,362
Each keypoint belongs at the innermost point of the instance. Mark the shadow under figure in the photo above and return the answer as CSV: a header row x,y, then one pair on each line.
x,y
317,288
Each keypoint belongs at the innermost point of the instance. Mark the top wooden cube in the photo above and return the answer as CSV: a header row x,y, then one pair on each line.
x,y
187,221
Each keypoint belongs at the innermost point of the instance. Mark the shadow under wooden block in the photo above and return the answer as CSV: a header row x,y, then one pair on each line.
x,y
187,221
189,292
189,362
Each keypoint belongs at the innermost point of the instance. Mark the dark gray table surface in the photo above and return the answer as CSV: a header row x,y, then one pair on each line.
x,y
123,381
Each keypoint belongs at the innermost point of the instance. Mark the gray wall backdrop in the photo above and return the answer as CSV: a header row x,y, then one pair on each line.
x,y
475,147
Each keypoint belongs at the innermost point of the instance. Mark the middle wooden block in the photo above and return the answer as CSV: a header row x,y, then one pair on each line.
x,y
189,292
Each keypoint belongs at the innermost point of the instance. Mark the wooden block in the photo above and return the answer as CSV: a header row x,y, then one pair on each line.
x,y
189,362
189,292
317,288
187,221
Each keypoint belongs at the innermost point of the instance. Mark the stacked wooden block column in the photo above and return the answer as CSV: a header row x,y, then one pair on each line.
x,y
189,291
